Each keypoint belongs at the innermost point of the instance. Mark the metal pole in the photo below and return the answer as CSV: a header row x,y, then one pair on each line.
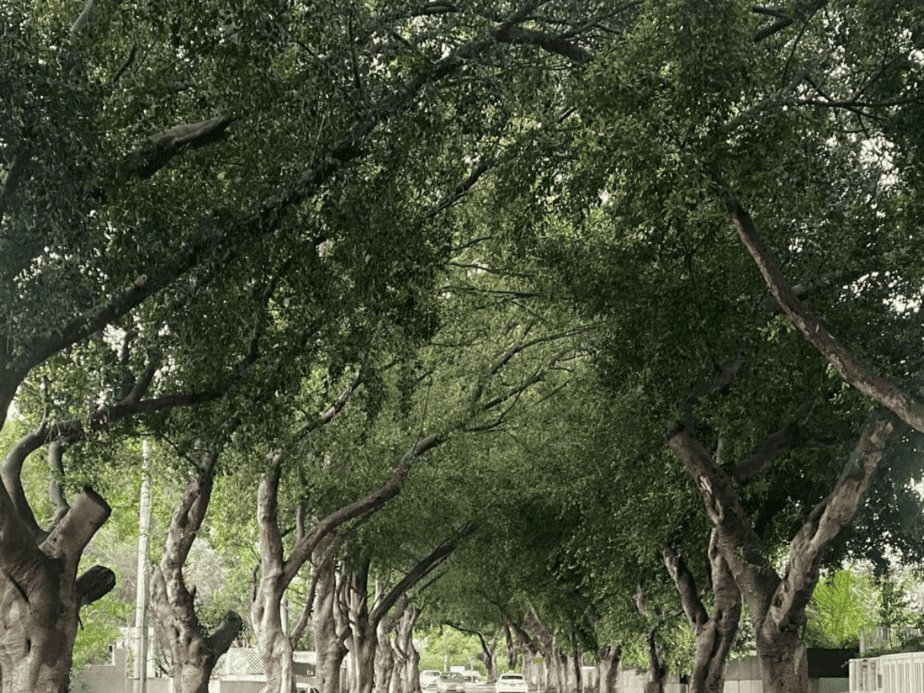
x,y
141,594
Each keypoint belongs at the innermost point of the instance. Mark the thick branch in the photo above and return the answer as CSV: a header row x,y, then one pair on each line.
x,y
826,520
56,472
69,538
145,161
851,369
94,584
224,635
766,451
11,475
424,567
800,13
739,542
80,24
686,585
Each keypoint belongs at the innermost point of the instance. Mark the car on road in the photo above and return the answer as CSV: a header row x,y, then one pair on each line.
x,y
511,683
472,678
451,683
429,677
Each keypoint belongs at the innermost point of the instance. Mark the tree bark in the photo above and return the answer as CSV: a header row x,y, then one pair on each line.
x,y
529,651
328,641
608,668
405,652
656,669
384,653
41,595
777,603
714,636
551,655
362,640
513,648
488,657
195,651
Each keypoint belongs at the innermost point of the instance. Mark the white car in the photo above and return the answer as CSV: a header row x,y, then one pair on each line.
x,y
451,683
511,683
429,677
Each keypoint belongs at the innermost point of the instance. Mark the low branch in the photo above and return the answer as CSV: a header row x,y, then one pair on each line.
x,y
68,539
94,584
11,475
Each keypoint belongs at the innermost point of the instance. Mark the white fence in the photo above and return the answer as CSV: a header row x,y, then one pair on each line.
x,y
894,673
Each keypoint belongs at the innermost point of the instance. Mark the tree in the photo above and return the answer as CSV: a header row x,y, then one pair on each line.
x,y
694,103
249,201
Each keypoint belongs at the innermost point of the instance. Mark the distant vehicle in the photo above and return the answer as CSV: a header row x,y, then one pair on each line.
x,y
429,677
511,683
472,677
451,683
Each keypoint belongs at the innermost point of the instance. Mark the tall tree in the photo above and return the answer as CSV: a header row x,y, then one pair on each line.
x,y
168,178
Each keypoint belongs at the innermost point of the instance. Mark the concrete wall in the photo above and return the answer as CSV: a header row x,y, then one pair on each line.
x,y
102,677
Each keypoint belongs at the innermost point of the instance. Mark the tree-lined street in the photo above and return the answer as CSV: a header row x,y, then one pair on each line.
x,y
588,331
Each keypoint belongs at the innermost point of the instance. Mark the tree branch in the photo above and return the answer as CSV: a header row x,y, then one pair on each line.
x,y
851,369
145,161
424,567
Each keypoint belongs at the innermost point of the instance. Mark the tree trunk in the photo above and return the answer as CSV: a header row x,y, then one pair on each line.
x,y
195,652
550,654
266,598
530,652
714,636
362,640
40,593
406,654
384,653
328,642
513,647
488,657
608,668
783,662
656,669
413,669
777,603
575,661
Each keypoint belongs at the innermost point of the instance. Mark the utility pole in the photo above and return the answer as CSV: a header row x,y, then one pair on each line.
x,y
141,593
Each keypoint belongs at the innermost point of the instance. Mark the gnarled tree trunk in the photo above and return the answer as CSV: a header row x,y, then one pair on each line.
x,y
551,655
406,654
608,668
195,652
326,622
714,636
488,657
777,602
530,653
40,593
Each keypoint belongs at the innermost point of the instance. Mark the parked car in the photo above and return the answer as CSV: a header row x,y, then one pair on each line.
x,y
429,677
472,678
451,683
511,683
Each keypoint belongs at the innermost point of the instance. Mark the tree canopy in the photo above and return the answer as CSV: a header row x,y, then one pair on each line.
x,y
488,269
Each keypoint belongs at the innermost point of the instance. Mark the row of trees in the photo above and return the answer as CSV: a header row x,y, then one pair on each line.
x,y
461,300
